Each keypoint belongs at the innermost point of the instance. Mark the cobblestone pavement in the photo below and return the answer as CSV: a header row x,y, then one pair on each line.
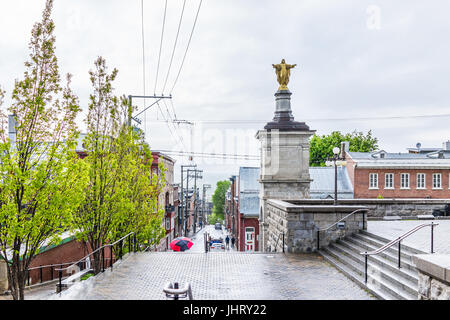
x,y
227,276
421,239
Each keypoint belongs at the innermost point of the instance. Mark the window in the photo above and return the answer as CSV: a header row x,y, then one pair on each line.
x,y
437,181
421,181
404,181
373,181
389,181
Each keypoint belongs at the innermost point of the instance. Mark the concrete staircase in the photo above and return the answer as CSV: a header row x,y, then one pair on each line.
x,y
385,280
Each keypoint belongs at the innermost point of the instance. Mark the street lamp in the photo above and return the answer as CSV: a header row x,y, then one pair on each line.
x,y
335,161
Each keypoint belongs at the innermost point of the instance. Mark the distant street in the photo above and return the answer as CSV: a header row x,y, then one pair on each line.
x,y
198,239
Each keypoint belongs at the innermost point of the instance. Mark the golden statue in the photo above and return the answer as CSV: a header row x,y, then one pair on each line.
x,y
283,72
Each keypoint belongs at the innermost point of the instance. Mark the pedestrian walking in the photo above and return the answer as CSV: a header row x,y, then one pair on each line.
x,y
227,242
233,240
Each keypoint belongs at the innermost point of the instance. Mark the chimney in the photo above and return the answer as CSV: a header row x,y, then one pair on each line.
x,y
446,146
345,145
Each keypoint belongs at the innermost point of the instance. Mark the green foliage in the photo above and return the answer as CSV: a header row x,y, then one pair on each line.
x,y
121,193
321,147
41,181
218,200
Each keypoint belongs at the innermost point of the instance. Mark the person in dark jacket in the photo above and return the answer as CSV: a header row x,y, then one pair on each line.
x,y
233,240
227,242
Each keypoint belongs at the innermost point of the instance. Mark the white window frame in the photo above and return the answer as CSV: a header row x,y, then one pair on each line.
x,y
386,175
434,180
424,186
373,180
402,180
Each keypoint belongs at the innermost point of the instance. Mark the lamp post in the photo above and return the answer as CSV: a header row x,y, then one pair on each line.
x,y
335,161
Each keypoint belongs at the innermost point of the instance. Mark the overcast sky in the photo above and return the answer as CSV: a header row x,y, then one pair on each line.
x,y
355,59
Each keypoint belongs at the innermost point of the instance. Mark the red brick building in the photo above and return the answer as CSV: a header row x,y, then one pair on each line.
x,y
399,175
242,209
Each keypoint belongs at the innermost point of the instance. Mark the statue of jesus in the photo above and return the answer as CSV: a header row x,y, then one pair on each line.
x,y
283,72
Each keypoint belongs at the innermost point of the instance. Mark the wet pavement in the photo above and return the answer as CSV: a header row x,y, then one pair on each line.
x,y
420,240
228,275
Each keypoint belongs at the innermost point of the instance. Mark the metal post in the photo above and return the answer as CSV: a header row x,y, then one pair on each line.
x,y
399,254
335,182
364,221
432,237
121,246
51,271
28,276
129,243
134,243
318,240
111,258
103,259
187,213
60,281
175,286
40,271
365,268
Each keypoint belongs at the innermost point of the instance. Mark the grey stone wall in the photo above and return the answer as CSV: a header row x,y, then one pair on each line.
x,y
380,208
434,276
300,224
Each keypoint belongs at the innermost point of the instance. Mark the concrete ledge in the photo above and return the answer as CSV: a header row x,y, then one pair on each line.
x,y
434,265
290,207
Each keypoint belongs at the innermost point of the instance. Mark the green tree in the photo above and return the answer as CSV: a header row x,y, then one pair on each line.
x,y
321,147
41,179
122,194
218,200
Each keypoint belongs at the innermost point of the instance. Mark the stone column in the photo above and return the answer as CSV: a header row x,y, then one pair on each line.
x,y
284,160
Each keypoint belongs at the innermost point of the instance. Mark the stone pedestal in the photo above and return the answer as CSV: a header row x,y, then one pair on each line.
x,y
284,159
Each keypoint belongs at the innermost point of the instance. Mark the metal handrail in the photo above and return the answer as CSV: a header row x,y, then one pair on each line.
x,y
278,239
104,246
332,225
84,258
340,220
398,240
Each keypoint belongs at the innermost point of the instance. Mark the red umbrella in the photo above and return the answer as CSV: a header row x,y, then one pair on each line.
x,y
181,244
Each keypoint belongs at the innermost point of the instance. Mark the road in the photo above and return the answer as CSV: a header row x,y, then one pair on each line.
x,y
198,239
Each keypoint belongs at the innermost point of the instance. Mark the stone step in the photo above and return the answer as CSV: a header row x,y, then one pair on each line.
x,y
355,277
378,280
386,240
408,274
406,260
396,278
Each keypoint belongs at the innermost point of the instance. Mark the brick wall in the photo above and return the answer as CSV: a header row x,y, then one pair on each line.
x,y
360,180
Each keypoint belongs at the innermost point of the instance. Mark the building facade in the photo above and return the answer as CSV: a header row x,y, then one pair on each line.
x,y
381,174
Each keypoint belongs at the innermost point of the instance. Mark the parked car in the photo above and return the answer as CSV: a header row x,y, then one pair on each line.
x,y
218,226
217,246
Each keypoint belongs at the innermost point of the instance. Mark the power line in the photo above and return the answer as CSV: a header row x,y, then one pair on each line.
x,y
327,119
187,48
143,59
160,47
213,155
174,46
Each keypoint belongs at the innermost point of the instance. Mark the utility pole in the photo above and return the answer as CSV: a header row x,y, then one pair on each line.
x,y
205,186
183,208
197,174
135,117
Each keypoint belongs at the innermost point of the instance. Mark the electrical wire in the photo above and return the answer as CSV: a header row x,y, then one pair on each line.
x,y
160,47
143,60
174,46
187,47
